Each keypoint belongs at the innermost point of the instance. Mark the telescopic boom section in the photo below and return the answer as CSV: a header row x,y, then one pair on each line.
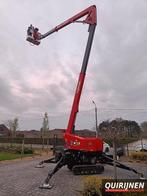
x,y
74,111
34,36
90,19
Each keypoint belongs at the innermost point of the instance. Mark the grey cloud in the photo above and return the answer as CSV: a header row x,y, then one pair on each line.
x,y
117,71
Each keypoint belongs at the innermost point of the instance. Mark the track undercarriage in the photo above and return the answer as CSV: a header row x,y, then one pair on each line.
x,y
88,169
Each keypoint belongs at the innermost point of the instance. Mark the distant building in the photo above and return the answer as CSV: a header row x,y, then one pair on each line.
x,y
85,133
58,133
29,134
4,131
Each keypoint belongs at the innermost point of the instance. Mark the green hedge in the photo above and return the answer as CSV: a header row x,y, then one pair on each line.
x,y
26,151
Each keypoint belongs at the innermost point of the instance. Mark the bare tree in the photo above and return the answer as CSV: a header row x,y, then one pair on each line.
x,y
45,125
45,128
13,126
144,129
111,130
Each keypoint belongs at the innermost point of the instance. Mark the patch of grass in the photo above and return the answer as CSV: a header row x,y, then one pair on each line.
x,y
10,156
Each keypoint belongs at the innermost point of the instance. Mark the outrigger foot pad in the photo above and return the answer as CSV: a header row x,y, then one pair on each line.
x,y
39,166
142,178
45,186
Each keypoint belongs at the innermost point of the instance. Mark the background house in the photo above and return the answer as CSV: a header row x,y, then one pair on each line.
x,y
4,131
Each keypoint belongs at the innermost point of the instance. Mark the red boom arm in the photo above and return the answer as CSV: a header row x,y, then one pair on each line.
x,y
90,19
73,141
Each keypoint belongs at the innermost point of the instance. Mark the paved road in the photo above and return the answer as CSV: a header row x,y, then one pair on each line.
x,y
20,178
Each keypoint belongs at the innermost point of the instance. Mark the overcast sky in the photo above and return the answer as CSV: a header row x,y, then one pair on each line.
x,y
39,79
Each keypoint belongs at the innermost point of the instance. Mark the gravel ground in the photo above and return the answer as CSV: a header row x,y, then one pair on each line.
x,y
21,178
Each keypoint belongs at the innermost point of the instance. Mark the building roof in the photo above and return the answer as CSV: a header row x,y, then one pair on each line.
x,y
4,130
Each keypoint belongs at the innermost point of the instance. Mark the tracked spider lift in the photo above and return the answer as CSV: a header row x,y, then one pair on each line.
x,y
81,155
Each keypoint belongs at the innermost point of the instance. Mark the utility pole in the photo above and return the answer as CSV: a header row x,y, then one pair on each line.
x,y
96,127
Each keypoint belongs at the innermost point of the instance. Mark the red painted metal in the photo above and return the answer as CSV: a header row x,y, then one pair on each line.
x,y
75,142
75,103
90,19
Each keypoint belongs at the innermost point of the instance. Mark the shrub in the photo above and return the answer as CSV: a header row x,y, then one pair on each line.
x,y
139,155
26,151
92,186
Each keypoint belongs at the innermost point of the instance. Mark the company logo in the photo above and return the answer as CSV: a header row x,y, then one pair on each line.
x,y
124,186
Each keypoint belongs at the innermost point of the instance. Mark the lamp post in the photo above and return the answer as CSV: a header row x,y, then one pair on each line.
x,y
95,118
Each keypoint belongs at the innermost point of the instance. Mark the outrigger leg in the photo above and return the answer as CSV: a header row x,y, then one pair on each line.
x,y
110,161
60,164
50,160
